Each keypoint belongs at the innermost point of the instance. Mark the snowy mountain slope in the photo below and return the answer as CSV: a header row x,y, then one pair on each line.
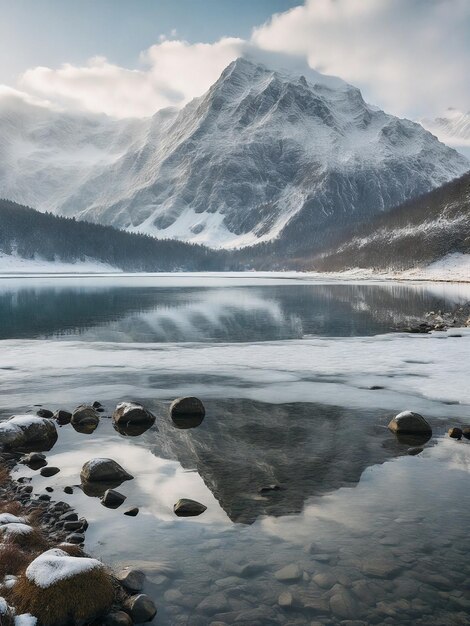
x,y
262,155
453,128
432,229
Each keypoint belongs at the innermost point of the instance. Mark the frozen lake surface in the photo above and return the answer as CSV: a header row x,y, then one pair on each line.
x,y
299,378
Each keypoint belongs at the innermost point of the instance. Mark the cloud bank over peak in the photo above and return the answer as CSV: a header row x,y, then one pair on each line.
x,y
410,57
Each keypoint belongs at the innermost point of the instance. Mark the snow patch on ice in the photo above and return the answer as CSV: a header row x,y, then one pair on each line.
x,y
55,565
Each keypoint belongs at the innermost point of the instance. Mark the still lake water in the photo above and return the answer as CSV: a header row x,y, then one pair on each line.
x,y
285,367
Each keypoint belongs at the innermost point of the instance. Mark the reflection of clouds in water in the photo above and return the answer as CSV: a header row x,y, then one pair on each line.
x,y
157,483
200,315
388,497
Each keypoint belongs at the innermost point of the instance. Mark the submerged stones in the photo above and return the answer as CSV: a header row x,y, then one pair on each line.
x,y
187,412
188,508
289,573
410,423
104,470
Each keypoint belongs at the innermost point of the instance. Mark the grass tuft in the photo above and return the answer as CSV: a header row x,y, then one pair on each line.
x,y
4,476
81,598
13,559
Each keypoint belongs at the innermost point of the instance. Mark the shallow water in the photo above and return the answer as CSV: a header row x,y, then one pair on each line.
x,y
285,369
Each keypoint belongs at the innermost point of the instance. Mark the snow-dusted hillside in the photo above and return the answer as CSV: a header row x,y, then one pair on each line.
x,y
453,128
262,155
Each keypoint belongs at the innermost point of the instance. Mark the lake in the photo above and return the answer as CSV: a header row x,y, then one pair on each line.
x,y
300,378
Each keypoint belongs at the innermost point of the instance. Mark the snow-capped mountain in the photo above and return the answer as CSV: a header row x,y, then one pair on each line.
x,y
263,154
453,128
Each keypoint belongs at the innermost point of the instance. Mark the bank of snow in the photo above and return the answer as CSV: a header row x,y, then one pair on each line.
x,y
452,268
13,264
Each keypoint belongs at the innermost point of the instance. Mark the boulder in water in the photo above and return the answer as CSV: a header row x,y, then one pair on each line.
x,y
188,508
28,432
132,413
104,470
187,408
411,423
85,419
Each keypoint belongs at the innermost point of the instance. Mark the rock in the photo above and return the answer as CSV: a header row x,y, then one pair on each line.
x,y
75,538
132,512
289,573
118,618
49,489
70,516
49,471
343,604
112,499
188,508
68,489
132,579
215,603
28,432
45,413
104,470
466,432
132,413
408,422
455,433
97,405
85,419
415,450
34,460
77,525
62,417
44,497
380,568
140,608
187,407
285,600
324,580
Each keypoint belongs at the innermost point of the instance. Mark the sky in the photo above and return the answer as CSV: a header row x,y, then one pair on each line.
x,y
131,57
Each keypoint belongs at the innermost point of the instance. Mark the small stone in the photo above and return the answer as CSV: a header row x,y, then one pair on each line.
x,y
70,516
118,618
132,579
466,432
188,508
76,538
132,413
112,499
34,460
44,497
68,489
72,525
96,405
132,512
289,573
44,413
455,433
49,471
380,568
49,489
285,600
324,580
215,603
343,605
85,419
62,417
140,608
173,596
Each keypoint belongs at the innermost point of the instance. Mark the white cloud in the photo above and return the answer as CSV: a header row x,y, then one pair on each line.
x,y
410,57
172,73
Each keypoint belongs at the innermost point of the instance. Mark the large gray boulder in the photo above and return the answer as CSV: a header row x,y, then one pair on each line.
x,y
127,413
28,432
410,423
104,470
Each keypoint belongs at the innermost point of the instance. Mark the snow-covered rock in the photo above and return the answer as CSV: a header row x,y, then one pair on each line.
x,y
15,528
263,154
55,565
22,431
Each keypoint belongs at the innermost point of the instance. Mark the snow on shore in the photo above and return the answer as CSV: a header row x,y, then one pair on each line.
x,y
13,264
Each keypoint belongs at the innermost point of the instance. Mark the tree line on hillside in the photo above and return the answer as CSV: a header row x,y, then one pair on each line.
x,y
31,234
